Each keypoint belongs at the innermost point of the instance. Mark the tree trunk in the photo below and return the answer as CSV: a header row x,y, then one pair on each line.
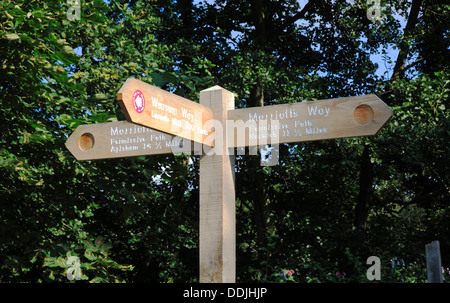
x,y
365,189
259,196
399,69
256,98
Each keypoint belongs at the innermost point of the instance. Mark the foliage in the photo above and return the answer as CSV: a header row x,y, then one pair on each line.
x,y
96,262
136,219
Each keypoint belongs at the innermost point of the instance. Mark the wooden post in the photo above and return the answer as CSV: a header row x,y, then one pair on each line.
x,y
217,197
434,270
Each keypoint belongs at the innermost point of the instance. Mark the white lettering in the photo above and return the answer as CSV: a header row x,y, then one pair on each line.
x,y
129,130
315,110
246,293
187,115
122,148
202,293
159,117
374,271
315,130
164,107
276,115
302,123
157,137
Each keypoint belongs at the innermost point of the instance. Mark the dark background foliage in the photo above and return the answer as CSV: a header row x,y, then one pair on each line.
x,y
322,211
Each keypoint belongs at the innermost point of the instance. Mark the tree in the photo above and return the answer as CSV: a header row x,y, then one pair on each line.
x,y
323,210
283,52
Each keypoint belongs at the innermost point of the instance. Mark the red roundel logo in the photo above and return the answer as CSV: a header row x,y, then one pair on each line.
x,y
138,101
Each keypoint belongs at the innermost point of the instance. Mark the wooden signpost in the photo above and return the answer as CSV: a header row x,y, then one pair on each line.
x,y
217,198
160,122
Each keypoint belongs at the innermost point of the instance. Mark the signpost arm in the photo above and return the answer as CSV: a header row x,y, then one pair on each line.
x,y
217,197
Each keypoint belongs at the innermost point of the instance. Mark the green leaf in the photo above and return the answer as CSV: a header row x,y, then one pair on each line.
x,y
89,254
100,96
68,50
12,37
24,37
8,15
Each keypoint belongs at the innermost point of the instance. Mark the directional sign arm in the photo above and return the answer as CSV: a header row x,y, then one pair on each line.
x,y
308,121
122,139
153,107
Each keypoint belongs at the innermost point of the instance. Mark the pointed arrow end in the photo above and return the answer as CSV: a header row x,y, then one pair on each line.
x,y
80,142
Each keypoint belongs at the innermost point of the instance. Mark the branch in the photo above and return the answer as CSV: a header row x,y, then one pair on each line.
x,y
412,64
404,45
301,14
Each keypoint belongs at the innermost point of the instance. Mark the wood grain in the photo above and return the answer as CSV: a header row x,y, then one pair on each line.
x,y
217,199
